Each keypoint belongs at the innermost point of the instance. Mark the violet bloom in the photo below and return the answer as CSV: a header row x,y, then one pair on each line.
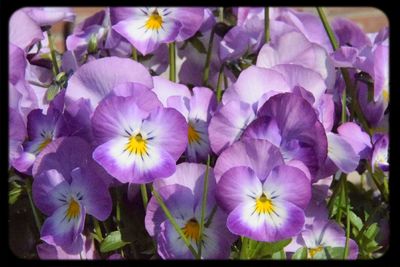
x,y
136,145
66,200
23,30
147,28
264,197
47,16
16,135
182,193
197,109
322,234
82,249
289,122
380,152
42,129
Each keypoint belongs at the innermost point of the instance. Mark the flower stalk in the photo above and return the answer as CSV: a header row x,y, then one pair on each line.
x,y
203,206
172,61
56,69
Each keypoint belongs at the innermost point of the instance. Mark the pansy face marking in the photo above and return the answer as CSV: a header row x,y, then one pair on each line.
x,y
137,145
192,230
73,209
193,135
155,21
264,205
313,251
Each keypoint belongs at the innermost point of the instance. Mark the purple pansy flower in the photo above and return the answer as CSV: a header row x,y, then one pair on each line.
x,y
197,109
82,249
136,145
147,28
266,200
66,200
42,129
47,16
289,122
321,234
380,152
182,193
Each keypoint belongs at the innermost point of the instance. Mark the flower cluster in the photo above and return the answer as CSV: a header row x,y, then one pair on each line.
x,y
248,136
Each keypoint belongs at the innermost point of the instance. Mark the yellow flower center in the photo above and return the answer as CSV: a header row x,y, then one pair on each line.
x,y
73,209
137,145
386,95
192,230
193,135
43,144
313,251
154,22
264,205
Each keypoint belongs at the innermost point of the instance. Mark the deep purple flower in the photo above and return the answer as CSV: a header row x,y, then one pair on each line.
x,y
67,202
182,193
265,201
136,145
146,28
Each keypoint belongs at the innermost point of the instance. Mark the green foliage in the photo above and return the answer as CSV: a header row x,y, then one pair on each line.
x,y
300,254
15,192
112,242
262,250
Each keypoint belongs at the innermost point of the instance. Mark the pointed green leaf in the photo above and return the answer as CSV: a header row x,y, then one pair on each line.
x,y
300,254
112,242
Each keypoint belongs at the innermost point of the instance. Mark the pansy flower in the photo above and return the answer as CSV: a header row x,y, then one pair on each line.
x,y
182,193
322,234
265,200
136,145
66,202
380,152
147,28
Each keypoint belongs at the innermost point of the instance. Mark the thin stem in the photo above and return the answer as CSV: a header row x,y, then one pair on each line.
x,y
219,83
174,223
378,184
213,211
266,24
243,249
56,70
206,72
97,228
203,206
143,191
341,198
328,28
118,208
221,14
34,211
346,247
134,54
172,61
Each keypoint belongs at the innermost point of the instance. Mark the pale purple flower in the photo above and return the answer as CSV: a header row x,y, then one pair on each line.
x,y
266,200
182,193
134,144
82,249
147,28
321,234
23,30
47,16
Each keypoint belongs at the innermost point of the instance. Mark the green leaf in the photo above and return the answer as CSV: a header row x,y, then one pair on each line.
x,y
14,193
355,220
112,242
52,92
335,253
300,254
372,231
258,250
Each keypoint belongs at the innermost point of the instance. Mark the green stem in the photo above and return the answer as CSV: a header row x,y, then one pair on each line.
x,y
213,211
342,197
346,247
174,223
243,249
134,54
206,72
219,83
34,211
118,208
143,191
221,14
203,206
56,70
97,228
266,24
328,28
172,61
